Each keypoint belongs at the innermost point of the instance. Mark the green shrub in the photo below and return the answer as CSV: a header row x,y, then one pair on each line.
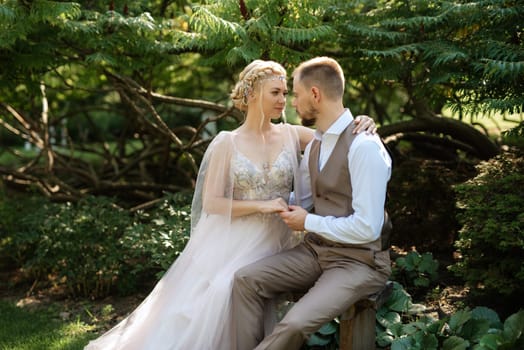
x,y
79,245
92,247
156,238
491,240
415,270
20,219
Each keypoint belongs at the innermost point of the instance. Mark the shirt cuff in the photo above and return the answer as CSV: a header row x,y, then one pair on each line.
x,y
292,199
312,223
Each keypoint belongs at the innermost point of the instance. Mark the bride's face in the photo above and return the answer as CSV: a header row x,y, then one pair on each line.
x,y
273,93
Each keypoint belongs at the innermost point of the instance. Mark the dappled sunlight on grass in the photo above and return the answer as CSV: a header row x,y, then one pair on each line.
x,y
25,329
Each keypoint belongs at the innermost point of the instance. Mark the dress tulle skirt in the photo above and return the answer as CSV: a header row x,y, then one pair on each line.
x,y
190,307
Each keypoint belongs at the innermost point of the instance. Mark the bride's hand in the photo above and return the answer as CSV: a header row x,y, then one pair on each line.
x,y
364,123
276,205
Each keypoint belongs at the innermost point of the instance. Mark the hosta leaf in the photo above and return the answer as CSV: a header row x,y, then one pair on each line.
x,y
455,343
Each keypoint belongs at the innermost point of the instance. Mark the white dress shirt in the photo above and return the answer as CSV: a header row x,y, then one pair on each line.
x,y
370,170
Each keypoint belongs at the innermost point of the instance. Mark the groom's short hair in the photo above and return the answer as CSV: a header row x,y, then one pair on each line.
x,y
324,73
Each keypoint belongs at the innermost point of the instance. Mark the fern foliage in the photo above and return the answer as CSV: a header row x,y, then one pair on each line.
x,y
442,50
464,54
276,29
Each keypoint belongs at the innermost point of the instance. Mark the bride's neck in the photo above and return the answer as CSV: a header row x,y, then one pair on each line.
x,y
255,125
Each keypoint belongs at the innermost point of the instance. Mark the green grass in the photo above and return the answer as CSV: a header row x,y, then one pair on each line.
x,y
494,123
39,329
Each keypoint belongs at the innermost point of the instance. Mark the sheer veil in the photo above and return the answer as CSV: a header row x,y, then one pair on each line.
x,y
194,294
214,170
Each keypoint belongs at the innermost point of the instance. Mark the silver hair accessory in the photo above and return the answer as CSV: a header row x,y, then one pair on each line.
x,y
276,77
245,93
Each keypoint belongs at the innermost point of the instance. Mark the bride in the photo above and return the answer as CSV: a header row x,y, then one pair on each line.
x,y
245,179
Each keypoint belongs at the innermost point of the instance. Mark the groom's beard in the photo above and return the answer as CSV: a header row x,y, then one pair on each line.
x,y
309,117
309,122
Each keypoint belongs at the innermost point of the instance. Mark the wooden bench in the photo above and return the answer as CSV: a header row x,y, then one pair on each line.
x,y
357,329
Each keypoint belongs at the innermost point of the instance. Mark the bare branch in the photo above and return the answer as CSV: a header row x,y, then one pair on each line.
x,y
28,128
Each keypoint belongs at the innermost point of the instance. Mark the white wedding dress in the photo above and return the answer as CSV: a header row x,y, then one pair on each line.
x,y
190,307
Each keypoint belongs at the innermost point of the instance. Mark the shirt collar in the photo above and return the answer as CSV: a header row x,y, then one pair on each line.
x,y
338,126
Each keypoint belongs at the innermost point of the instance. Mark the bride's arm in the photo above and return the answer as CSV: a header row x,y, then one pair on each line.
x,y
246,207
217,204
362,122
305,135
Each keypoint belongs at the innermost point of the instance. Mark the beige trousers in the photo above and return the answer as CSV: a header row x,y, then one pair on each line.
x,y
333,279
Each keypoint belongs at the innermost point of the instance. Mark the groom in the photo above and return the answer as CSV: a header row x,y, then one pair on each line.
x,y
342,258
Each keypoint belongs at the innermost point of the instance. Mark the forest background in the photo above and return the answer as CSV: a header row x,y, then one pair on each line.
x,y
106,108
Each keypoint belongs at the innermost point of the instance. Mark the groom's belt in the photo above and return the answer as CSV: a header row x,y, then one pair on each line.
x,y
362,254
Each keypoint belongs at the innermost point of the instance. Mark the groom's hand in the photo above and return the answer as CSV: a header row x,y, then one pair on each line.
x,y
295,217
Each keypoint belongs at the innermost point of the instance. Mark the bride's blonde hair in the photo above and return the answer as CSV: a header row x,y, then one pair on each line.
x,y
249,80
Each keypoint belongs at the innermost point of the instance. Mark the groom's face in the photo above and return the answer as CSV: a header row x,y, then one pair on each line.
x,y
303,103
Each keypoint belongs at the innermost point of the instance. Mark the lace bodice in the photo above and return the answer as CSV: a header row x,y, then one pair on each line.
x,y
253,183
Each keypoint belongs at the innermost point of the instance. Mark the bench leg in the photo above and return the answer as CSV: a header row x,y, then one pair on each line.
x,y
357,329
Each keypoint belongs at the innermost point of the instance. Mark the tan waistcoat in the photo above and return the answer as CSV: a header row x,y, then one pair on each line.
x,y
331,187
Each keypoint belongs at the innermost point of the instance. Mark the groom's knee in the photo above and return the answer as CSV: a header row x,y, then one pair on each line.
x,y
248,280
243,280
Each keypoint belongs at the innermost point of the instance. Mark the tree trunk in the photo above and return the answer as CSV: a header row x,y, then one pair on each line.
x,y
480,144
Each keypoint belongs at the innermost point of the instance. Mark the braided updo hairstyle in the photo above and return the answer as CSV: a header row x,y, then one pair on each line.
x,y
250,78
